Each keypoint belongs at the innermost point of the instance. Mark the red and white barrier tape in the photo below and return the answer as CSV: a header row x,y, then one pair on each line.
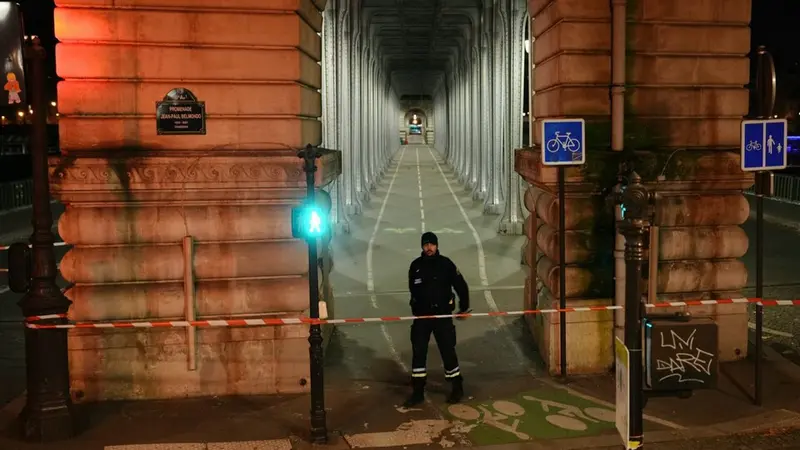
x,y
55,244
309,321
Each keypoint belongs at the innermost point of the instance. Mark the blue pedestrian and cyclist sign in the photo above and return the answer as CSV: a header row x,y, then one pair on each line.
x,y
563,142
764,145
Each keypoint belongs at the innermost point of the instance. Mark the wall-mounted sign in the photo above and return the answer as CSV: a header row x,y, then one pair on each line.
x,y
13,75
180,113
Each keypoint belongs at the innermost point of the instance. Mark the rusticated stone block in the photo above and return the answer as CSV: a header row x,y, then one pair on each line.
x,y
702,210
721,242
580,246
166,301
690,69
128,62
307,9
82,133
708,12
152,364
81,97
275,29
170,223
590,336
689,38
572,101
549,12
701,276
566,36
689,101
163,262
572,68
582,281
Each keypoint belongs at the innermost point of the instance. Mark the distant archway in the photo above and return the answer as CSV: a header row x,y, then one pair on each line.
x,y
416,121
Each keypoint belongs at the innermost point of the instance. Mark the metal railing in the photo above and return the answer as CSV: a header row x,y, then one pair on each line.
x,y
16,194
787,189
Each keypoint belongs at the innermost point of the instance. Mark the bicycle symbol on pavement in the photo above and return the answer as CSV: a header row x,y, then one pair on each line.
x,y
563,141
505,415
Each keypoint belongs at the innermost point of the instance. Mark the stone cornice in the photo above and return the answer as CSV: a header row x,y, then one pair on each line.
x,y
157,176
274,169
686,171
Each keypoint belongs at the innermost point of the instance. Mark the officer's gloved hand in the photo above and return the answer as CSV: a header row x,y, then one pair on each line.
x,y
463,312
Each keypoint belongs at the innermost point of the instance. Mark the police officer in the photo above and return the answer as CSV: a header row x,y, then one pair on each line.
x,y
431,280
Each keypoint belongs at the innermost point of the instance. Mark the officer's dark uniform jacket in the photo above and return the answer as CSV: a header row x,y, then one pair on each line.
x,y
431,280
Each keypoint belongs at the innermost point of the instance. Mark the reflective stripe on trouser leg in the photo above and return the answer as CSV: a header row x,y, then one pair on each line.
x,y
419,372
452,373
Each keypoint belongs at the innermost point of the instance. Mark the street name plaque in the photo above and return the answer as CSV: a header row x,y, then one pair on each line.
x,y
180,113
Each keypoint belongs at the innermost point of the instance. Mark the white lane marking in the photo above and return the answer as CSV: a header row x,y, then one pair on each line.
x,y
487,294
4,289
601,402
419,185
373,299
752,326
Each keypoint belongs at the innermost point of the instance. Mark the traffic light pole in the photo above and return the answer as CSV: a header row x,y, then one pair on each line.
x,y
319,428
636,201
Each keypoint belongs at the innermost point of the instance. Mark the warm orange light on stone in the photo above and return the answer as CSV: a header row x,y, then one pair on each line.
x,y
132,195
687,68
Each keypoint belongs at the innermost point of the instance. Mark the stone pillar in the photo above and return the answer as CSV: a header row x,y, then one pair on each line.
x,y
684,104
131,195
688,66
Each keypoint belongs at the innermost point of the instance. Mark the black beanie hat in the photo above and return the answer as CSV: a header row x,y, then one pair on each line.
x,y
429,238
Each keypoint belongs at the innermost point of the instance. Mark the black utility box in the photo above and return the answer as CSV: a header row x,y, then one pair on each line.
x,y
680,353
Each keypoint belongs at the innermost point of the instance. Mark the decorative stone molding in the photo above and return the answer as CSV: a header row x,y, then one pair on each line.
x,y
152,176
282,168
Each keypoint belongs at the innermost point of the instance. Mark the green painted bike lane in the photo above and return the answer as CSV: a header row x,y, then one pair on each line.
x,y
540,414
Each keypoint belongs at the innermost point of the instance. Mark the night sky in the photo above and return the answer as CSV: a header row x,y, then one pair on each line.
x,y
773,23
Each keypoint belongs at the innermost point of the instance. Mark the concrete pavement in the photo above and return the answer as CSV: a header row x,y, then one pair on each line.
x,y
15,226
781,281
508,402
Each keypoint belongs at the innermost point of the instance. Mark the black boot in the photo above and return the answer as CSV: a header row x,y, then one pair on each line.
x,y
418,396
458,390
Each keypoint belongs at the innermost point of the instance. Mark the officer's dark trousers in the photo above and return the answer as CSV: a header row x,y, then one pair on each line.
x,y
444,331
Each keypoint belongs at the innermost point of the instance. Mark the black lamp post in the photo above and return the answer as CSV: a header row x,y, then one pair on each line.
x,y
637,206
48,414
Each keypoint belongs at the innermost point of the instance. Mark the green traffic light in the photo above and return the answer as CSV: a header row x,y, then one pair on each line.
x,y
314,223
309,222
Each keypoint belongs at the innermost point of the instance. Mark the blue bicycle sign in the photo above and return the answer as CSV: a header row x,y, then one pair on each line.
x,y
563,142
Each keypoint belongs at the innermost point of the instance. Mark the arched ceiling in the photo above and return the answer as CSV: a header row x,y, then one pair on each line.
x,y
420,40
